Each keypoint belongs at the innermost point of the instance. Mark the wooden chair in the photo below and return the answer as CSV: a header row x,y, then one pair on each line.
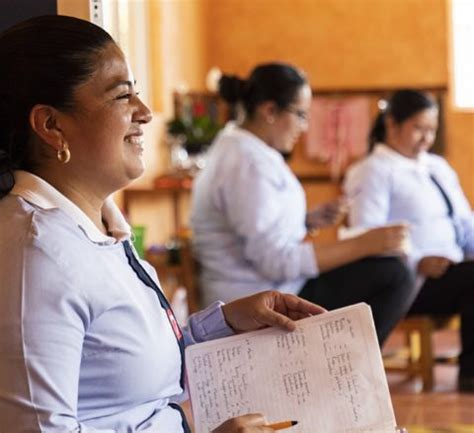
x,y
179,271
189,273
417,358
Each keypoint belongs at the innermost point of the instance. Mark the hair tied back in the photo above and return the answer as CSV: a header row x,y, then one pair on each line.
x,y
231,88
7,180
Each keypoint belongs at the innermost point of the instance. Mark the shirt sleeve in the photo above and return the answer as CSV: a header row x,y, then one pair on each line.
x,y
463,216
250,196
368,188
42,339
208,324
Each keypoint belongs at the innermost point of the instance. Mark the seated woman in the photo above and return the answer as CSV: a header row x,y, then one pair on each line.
x,y
401,181
88,341
249,216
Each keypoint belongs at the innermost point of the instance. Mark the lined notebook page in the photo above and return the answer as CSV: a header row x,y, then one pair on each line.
x,y
328,375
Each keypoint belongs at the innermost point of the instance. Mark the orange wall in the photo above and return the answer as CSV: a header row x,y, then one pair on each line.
x,y
177,48
460,149
74,8
339,43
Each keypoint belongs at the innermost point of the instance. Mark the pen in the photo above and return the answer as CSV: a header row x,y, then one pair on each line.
x,y
281,425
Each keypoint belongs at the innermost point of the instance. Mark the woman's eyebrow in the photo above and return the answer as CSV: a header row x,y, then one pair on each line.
x,y
121,83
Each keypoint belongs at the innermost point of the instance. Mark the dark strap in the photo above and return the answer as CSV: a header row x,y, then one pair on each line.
x,y
460,237
449,205
148,281
186,428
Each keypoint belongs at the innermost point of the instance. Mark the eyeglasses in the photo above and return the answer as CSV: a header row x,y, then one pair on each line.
x,y
301,114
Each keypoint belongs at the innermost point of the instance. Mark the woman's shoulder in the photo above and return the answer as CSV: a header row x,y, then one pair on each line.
x,y
374,164
34,235
32,225
14,212
437,162
440,167
51,244
236,141
238,150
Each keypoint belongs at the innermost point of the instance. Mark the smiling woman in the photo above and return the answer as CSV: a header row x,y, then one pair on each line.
x,y
401,181
88,341
107,126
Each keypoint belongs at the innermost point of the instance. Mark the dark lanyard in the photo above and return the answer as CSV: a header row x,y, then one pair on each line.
x,y
457,229
449,205
148,281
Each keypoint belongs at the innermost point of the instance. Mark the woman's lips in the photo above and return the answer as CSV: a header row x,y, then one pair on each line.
x,y
136,140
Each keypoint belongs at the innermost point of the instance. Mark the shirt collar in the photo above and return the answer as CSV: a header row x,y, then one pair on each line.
x,y
420,164
263,147
40,193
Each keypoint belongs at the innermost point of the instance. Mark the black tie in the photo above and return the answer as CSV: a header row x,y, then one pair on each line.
x,y
449,205
148,281
457,229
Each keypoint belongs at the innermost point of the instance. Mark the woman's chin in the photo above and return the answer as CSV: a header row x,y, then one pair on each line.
x,y
136,171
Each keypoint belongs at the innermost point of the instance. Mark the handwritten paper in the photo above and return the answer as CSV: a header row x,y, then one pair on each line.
x,y
328,375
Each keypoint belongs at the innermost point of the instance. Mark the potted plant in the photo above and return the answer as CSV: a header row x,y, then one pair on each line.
x,y
195,132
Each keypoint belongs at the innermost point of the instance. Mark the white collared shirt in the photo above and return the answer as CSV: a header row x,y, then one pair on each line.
x,y
84,344
248,219
387,187
35,190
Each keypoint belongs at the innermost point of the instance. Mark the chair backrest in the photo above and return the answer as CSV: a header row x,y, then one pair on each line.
x,y
189,274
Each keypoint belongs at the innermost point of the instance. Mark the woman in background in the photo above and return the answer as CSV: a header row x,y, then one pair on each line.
x,y
249,217
401,181
88,341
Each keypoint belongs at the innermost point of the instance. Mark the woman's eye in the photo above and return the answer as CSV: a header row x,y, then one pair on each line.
x,y
128,95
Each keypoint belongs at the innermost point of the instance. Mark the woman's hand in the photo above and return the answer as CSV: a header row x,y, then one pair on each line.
x,y
251,423
380,240
270,308
327,214
433,266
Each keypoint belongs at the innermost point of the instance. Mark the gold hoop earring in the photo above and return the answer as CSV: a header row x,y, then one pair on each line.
x,y
64,154
270,120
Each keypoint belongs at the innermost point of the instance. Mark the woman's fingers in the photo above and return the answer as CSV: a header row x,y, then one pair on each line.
x,y
269,308
300,305
250,423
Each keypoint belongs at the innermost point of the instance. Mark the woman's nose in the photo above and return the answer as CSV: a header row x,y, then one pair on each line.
x,y
304,125
143,113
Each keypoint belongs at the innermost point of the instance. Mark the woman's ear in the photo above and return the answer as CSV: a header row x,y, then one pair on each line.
x,y
391,127
268,111
44,121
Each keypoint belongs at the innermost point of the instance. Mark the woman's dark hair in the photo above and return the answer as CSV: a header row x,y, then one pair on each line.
x,y
402,105
277,82
44,60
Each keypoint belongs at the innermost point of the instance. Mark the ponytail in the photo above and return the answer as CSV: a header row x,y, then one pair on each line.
x,y
46,58
276,82
378,132
402,105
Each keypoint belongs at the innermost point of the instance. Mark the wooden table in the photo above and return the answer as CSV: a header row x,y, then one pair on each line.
x,y
171,184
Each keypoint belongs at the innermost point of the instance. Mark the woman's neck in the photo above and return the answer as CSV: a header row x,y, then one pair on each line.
x,y
403,152
89,202
256,129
